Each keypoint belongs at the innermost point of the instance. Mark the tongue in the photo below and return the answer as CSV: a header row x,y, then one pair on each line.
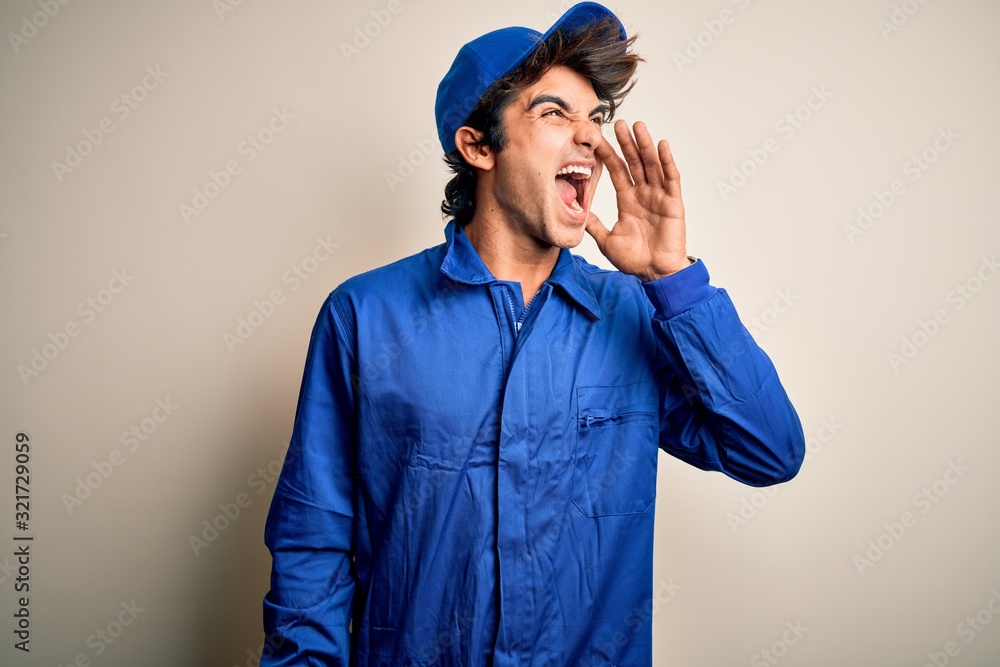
x,y
566,190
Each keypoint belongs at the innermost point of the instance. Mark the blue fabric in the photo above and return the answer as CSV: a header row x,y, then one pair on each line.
x,y
459,494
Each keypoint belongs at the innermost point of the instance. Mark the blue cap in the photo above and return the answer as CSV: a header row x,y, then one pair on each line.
x,y
485,60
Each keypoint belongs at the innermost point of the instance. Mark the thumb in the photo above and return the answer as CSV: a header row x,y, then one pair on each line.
x,y
597,230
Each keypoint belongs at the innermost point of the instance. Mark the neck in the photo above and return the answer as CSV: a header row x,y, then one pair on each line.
x,y
511,256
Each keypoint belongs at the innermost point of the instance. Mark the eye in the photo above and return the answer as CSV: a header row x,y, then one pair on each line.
x,y
553,112
598,120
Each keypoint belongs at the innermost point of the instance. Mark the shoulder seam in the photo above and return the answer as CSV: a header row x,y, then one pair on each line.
x,y
338,321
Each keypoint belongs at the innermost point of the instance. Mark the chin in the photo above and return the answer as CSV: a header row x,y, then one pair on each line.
x,y
568,236
576,240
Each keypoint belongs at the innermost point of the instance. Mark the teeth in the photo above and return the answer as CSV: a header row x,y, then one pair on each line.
x,y
576,170
576,206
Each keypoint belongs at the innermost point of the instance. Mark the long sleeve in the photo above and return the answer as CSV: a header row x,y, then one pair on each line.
x,y
722,405
310,525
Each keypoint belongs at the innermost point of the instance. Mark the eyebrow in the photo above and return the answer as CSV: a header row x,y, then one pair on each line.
x,y
601,109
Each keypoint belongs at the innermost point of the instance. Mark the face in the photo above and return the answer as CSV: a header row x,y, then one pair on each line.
x,y
544,178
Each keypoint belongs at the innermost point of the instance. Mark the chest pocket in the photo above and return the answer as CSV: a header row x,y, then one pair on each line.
x,y
616,447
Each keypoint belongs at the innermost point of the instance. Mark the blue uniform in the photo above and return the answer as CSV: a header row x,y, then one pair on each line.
x,y
470,481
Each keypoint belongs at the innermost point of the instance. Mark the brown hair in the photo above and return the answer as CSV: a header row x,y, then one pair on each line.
x,y
595,51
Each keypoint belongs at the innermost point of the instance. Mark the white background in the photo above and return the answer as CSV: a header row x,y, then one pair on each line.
x,y
739,566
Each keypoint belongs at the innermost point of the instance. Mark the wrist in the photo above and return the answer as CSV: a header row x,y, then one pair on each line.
x,y
667,268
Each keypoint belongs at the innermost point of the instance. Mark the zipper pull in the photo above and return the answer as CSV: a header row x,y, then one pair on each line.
x,y
589,420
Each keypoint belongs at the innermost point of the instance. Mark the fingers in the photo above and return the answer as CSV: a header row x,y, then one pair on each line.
x,y
645,162
614,164
640,154
630,151
647,152
673,176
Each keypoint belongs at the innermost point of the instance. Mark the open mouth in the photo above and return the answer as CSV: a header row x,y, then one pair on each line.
x,y
572,182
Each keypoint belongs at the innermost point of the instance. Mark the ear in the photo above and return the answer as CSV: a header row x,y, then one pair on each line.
x,y
478,156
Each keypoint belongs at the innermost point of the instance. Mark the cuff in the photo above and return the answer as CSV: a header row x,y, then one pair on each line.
x,y
681,291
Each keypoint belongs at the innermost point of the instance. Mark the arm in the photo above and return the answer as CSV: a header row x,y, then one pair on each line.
x,y
722,405
310,525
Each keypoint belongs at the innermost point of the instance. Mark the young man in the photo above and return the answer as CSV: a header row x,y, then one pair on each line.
x,y
472,470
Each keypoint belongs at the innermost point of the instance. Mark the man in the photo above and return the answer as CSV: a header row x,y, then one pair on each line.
x,y
472,470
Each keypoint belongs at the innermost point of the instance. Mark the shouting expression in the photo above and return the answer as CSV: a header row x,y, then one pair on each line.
x,y
543,181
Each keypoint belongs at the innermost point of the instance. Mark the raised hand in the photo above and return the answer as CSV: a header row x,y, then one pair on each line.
x,y
649,239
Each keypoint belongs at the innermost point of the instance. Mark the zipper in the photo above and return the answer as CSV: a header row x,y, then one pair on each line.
x,y
594,420
518,321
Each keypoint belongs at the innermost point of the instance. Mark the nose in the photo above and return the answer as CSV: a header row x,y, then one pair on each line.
x,y
587,133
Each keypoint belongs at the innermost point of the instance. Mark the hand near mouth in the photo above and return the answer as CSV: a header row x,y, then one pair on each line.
x,y
649,239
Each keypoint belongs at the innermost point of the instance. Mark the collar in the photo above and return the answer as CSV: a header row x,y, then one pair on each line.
x,y
463,264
